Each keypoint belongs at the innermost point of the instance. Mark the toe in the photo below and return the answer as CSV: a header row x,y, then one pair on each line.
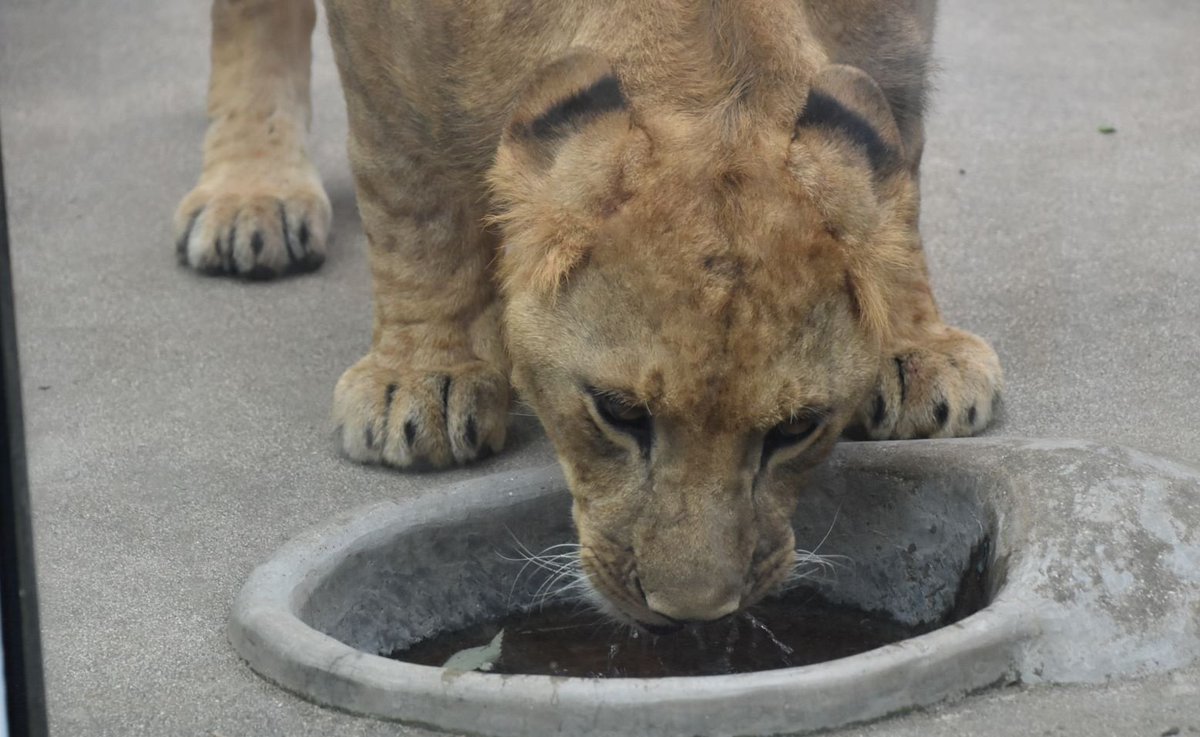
x,y
419,413
476,414
253,235
410,419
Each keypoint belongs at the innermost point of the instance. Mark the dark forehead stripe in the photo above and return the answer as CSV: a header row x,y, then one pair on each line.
x,y
603,96
824,111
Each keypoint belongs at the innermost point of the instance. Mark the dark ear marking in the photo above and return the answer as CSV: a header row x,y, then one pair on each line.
x,y
825,111
602,96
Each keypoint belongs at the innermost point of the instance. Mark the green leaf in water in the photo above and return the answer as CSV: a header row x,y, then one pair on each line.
x,y
1107,130
481,658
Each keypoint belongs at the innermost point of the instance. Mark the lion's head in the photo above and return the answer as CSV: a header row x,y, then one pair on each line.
x,y
695,314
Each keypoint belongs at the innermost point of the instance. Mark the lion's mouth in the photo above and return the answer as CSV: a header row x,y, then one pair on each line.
x,y
619,592
661,630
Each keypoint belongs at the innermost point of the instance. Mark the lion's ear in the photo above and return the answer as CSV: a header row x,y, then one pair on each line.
x,y
846,103
847,152
562,99
561,168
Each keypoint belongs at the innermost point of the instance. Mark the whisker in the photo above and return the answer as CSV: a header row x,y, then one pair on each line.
x,y
828,562
810,565
556,565
566,593
814,560
561,591
828,532
528,561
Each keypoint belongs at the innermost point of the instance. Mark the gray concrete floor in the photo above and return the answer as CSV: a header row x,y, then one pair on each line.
x,y
178,424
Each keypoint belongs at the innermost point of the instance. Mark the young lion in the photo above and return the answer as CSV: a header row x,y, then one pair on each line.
x,y
685,231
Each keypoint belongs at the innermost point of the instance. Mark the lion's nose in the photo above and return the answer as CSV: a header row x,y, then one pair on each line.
x,y
699,606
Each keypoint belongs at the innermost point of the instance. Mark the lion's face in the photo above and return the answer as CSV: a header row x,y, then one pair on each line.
x,y
690,329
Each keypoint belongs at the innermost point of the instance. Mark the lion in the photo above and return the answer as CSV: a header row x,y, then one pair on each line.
x,y
686,233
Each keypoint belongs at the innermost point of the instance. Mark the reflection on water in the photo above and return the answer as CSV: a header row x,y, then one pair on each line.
x,y
796,629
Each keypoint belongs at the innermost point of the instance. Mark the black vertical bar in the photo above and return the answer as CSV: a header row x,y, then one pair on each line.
x,y
18,595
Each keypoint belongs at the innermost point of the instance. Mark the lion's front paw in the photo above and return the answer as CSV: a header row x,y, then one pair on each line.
x,y
943,386
254,221
387,412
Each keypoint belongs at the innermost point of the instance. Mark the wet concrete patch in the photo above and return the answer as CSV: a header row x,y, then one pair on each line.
x,y
1091,552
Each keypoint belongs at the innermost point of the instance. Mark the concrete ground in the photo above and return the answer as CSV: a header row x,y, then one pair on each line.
x,y
177,425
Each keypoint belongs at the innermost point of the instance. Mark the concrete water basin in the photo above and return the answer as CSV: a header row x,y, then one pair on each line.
x,y
1052,561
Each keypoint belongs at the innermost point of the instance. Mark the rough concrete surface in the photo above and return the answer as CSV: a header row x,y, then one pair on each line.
x,y
177,425
1094,552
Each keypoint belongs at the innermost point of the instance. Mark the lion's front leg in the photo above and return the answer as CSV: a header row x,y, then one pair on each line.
x,y
935,381
259,209
433,390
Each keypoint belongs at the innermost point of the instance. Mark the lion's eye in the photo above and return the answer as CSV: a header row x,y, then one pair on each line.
x,y
621,412
623,415
791,432
795,429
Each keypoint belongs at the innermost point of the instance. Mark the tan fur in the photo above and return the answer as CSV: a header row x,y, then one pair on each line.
x,y
693,251
259,208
